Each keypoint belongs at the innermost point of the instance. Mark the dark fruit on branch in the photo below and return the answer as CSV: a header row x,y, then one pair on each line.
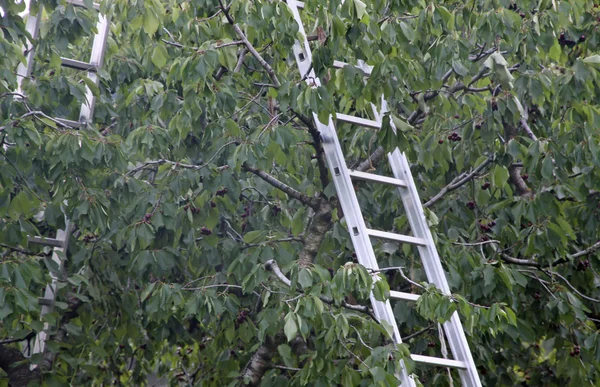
x,y
440,141
205,231
222,192
454,137
582,38
485,185
471,205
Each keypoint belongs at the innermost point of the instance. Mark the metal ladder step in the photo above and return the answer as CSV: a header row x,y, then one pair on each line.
x,y
396,237
439,361
377,178
404,296
365,68
78,65
358,121
81,3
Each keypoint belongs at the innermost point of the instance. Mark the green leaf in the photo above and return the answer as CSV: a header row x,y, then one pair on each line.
x,y
159,56
290,328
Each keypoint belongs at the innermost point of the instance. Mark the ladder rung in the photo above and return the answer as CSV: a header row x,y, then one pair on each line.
x,y
358,121
81,3
377,178
46,241
396,237
300,4
78,65
404,296
439,361
340,65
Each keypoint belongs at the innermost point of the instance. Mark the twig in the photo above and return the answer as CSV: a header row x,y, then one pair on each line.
x,y
280,367
550,273
412,335
178,164
458,182
272,265
399,268
312,202
248,246
476,243
18,250
361,339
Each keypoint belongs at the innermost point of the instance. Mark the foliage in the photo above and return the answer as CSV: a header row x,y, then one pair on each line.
x,y
202,165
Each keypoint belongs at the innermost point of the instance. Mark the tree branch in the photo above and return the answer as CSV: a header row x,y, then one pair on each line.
x,y
371,160
312,202
318,145
272,265
178,164
250,47
459,181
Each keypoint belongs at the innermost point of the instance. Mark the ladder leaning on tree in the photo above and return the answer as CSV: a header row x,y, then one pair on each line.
x,y
360,234
24,70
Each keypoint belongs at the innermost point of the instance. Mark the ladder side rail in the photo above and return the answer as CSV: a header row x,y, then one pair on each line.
x,y
50,292
96,59
343,183
24,70
433,266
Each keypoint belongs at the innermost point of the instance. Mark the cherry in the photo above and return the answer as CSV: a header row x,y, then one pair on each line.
x,y
485,185
471,205
205,231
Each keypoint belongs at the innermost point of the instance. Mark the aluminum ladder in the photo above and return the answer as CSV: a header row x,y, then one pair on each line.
x,y
360,234
61,242
96,58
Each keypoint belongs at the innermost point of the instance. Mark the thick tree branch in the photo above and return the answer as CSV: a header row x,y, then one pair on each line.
x,y
250,47
460,180
318,145
17,368
309,201
258,364
372,160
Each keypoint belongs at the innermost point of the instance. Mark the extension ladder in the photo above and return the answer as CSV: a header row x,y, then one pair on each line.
x,y
360,234
61,242
97,57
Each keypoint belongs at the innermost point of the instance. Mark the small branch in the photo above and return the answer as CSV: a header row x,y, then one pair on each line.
x,y
412,335
29,336
240,61
18,250
312,202
517,261
280,367
593,248
476,243
459,181
272,265
527,129
178,164
250,47
553,273
248,246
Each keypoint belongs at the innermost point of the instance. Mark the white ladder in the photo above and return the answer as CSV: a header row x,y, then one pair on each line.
x,y
61,242
96,58
360,234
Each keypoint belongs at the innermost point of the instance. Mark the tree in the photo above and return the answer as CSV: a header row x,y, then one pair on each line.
x,y
208,247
